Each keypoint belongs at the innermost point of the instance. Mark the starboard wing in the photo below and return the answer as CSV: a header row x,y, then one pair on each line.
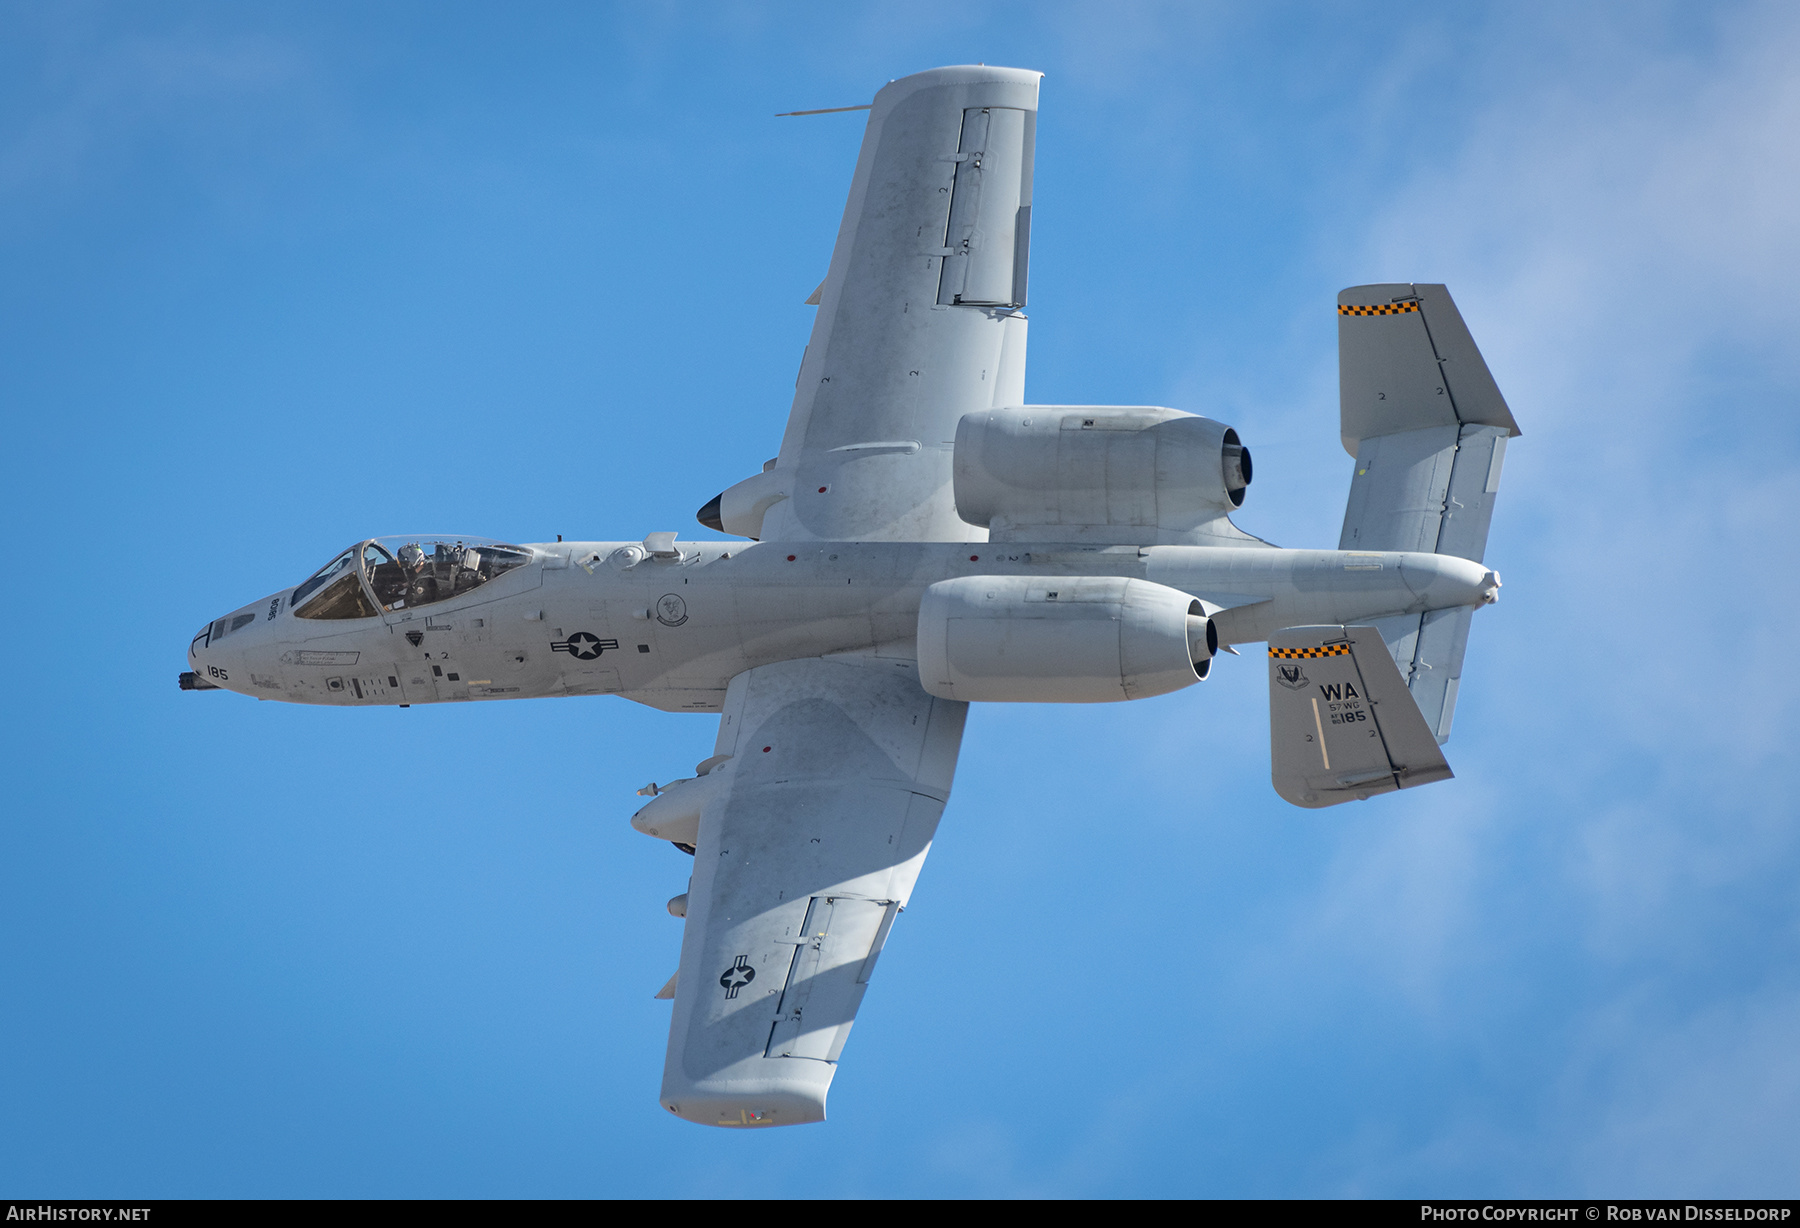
x,y
837,773
919,316
1341,724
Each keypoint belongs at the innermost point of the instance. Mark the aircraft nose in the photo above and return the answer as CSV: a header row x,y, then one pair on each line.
x,y
213,665
194,678
197,644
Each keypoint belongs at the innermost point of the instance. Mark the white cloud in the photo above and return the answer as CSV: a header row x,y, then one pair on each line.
x,y
1623,243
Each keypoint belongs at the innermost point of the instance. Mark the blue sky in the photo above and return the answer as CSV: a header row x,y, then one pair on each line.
x,y
274,277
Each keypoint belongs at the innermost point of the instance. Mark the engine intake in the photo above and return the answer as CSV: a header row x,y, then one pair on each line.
x,y
1061,639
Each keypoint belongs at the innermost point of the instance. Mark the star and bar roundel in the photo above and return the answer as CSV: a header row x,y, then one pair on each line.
x,y
583,645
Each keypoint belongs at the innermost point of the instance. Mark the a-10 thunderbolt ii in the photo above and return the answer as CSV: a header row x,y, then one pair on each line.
x,y
923,540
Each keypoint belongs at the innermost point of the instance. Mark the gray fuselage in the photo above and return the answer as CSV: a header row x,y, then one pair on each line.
x,y
671,630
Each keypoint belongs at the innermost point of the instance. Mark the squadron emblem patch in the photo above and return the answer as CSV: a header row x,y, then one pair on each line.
x,y
1293,677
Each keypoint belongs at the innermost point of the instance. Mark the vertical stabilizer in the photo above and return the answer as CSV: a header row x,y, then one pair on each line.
x,y
1428,427
1341,727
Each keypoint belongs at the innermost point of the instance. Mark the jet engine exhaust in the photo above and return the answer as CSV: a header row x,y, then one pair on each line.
x,y
1234,468
1203,642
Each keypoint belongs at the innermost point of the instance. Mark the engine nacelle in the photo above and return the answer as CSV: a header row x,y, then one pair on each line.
x,y
1060,639
1133,475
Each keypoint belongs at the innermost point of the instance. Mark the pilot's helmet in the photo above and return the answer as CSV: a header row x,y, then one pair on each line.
x,y
412,556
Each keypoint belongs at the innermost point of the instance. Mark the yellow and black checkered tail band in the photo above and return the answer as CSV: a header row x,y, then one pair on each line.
x,y
1327,650
1380,309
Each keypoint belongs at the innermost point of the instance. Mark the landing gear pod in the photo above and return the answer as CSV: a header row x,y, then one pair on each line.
x,y
674,813
1064,639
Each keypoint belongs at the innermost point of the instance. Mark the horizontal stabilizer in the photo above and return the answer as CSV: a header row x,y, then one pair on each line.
x,y
1342,726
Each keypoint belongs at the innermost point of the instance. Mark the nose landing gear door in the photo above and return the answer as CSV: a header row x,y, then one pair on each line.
x,y
416,686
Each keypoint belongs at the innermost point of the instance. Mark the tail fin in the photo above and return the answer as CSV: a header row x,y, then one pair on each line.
x,y
1340,724
1428,427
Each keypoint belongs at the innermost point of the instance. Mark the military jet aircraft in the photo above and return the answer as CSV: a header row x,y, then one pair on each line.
x,y
923,540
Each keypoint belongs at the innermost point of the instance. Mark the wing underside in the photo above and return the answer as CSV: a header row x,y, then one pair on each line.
x,y
837,773
920,317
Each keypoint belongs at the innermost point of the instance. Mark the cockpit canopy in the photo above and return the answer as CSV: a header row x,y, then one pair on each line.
x,y
396,573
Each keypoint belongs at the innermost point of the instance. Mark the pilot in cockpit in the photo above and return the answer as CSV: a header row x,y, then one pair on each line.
x,y
415,566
